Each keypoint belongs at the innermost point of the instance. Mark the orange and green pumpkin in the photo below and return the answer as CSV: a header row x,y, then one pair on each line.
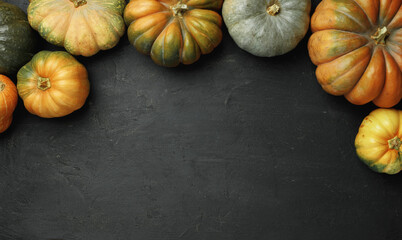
x,y
83,27
174,31
8,102
53,84
379,141
357,46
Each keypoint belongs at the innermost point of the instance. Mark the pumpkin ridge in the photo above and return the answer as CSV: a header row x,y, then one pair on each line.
x,y
56,100
91,30
357,36
182,28
5,100
151,27
103,14
347,95
57,71
390,90
202,33
204,18
36,6
142,34
384,128
388,13
68,26
367,16
351,18
114,32
54,28
392,52
343,74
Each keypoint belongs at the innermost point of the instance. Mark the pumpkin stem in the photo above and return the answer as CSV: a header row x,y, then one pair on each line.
x,y
78,3
273,9
43,83
395,143
179,8
2,86
380,36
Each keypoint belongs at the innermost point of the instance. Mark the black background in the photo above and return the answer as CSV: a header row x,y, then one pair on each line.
x,y
233,147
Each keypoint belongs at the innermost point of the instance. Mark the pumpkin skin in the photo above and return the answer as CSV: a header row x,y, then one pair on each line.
x,y
18,40
267,28
8,102
53,84
174,31
378,143
356,45
83,27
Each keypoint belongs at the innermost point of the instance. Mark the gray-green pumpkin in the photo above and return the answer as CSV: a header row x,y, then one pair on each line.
x,y
267,28
17,39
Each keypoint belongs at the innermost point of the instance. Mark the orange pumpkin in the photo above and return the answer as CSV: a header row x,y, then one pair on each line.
x,y
8,102
357,46
83,27
53,84
174,31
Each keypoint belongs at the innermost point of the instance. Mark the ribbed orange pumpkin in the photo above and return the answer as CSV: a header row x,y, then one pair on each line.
x,y
8,102
53,84
357,45
174,31
83,27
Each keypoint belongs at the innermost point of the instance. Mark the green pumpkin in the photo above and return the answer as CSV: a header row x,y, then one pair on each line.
x,y
17,39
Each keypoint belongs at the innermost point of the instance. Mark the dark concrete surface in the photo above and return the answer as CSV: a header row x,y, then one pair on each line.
x,y
234,147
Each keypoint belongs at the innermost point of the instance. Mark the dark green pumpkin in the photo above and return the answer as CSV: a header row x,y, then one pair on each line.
x,y
17,39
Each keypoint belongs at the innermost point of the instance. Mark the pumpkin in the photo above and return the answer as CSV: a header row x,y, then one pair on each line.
x,y
83,27
174,31
53,84
18,39
357,46
379,141
267,28
8,102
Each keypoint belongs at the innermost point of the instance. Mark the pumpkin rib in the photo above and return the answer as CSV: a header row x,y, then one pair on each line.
x,y
387,17
379,122
154,25
182,27
90,30
146,32
352,36
349,69
369,19
244,19
395,20
203,17
6,103
395,55
104,16
53,29
391,94
373,90
201,32
150,15
329,7
352,18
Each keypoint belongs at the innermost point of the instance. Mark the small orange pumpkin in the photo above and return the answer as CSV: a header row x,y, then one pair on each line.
x,y
8,102
174,31
53,84
357,46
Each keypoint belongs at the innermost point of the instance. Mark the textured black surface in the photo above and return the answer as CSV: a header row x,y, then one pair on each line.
x,y
234,147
